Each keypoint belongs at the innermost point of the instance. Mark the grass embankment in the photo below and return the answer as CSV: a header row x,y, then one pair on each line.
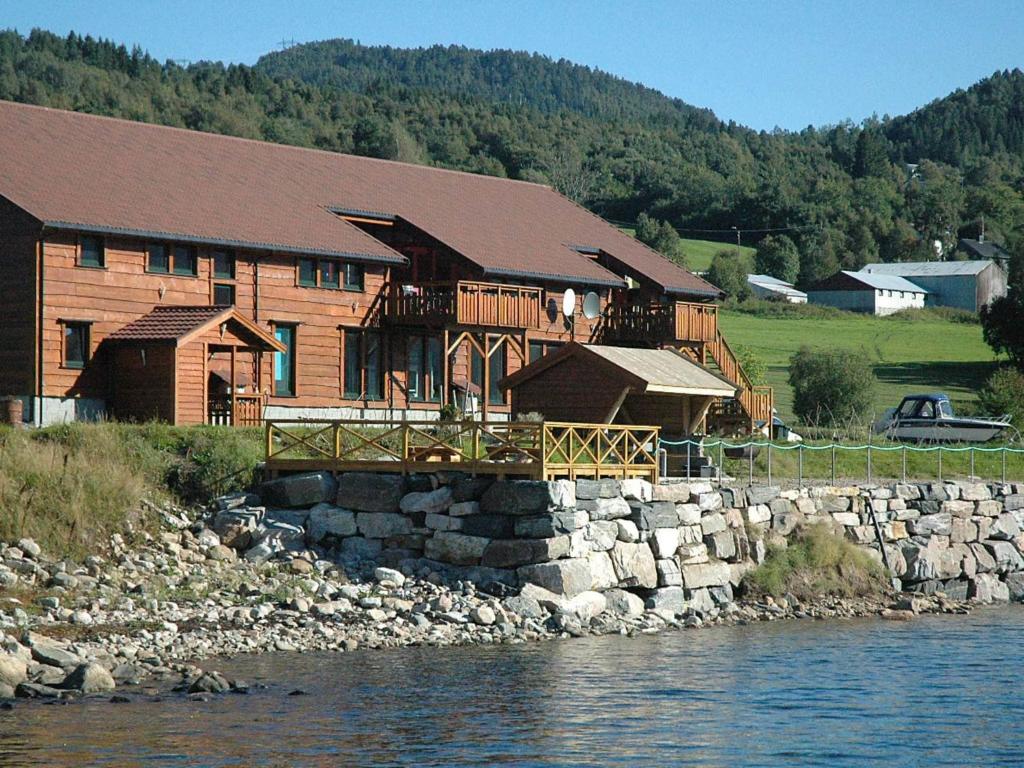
x,y
920,351
69,487
699,253
817,563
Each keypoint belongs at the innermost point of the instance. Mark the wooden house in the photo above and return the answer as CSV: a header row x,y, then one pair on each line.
x,y
357,288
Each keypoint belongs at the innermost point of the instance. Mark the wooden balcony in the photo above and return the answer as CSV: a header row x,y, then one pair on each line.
x,y
659,323
464,302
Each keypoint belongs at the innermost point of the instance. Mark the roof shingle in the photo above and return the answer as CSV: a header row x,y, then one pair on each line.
x,y
82,171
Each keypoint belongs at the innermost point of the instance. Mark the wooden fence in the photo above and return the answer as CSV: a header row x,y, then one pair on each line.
x,y
537,450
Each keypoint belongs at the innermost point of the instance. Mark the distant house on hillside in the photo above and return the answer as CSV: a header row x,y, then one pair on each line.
x,y
966,285
768,287
865,292
982,249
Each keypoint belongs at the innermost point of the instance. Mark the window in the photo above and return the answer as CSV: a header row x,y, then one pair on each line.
x,y
307,272
496,372
158,258
363,373
284,362
353,277
185,261
91,252
223,295
330,273
76,344
540,348
224,265
425,369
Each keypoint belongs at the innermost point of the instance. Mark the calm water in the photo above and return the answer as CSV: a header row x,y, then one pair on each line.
x,y
936,691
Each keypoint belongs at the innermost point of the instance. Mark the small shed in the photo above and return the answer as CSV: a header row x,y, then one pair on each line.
x,y
595,384
966,285
768,287
867,292
191,365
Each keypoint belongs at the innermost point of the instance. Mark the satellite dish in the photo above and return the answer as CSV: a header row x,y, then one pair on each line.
x,y
569,302
937,247
591,305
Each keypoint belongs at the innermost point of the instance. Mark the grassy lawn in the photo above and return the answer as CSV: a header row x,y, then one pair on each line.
x,y
699,253
907,356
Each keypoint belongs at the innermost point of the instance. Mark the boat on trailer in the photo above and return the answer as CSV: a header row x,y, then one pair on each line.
x,y
930,419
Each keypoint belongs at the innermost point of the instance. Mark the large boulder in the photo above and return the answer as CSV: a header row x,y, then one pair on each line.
x,y
13,670
634,565
429,502
488,526
605,488
562,577
623,603
554,523
656,514
455,548
1006,556
299,490
608,509
671,599
932,525
371,491
585,606
89,678
328,520
712,574
602,571
505,553
236,527
527,497
382,525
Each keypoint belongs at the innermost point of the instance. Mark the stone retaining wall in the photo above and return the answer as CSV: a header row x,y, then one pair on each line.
x,y
673,547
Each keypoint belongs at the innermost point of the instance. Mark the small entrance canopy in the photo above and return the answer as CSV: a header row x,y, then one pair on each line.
x,y
598,384
164,362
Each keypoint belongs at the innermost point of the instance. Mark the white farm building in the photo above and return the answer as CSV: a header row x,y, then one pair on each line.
x,y
966,285
768,287
867,292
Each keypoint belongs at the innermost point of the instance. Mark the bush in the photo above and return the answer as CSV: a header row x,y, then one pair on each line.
x,y
71,486
949,314
817,563
729,270
778,256
1003,393
830,388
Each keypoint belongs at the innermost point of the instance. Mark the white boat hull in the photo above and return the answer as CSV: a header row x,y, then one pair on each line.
x,y
946,430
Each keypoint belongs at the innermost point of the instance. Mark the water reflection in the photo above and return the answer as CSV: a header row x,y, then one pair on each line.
x,y
937,691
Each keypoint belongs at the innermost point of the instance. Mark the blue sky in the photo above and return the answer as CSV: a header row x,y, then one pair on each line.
x,y
762,64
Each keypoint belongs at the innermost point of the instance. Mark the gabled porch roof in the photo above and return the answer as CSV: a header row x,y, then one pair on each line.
x,y
177,325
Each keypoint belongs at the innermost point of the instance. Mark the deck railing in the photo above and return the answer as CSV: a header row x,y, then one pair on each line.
x,y
538,450
678,321
465,302
239,410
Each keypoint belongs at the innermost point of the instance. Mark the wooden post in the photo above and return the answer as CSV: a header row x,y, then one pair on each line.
x,y
445,369
234,388
485,395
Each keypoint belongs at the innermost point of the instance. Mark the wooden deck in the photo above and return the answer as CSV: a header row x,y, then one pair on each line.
x,y
465,302
532,450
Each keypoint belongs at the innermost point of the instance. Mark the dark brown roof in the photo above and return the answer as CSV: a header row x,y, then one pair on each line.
x,y
177,324
81,171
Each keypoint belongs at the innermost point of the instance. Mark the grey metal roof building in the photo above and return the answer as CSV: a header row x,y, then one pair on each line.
x,y
866,292
966,285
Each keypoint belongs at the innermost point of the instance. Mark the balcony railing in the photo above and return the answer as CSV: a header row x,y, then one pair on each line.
x,y
464,302
678,321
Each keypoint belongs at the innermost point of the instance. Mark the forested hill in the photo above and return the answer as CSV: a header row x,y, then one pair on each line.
x,y
834,196
516,78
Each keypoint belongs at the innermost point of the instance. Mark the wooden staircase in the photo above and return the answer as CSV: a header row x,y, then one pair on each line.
x,y
753,405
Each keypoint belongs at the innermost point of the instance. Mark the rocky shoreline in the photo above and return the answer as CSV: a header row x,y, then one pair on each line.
x,y
154,614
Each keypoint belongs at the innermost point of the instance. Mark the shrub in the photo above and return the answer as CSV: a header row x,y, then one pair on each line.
x,y
830,388
817,563
729,270
1003,393
752,365
71,486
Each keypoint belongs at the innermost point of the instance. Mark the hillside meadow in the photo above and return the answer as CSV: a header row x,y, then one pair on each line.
x,y
925,353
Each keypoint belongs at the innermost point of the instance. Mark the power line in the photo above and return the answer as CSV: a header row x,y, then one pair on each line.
x,y
729,231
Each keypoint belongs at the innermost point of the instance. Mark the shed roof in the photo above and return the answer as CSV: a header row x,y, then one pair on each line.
x,y
854,281
177,324
774,284
653,371
983,249
132,178
928,268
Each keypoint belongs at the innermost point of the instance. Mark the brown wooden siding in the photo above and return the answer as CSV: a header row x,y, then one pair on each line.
x,y
143,390
555,391
191,384
19,236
